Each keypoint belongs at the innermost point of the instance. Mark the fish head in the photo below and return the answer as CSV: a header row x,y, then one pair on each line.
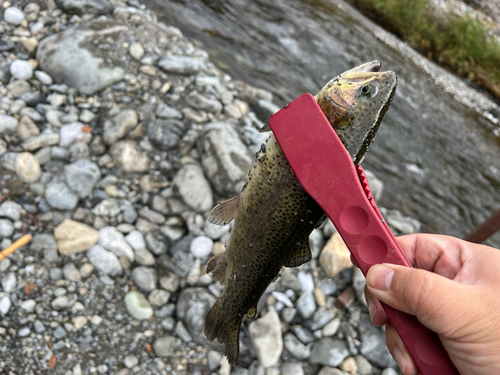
x,y
355,103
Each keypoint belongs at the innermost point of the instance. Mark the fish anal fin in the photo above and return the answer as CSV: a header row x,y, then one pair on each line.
x,y
226,331
251,313
300,255
265,128
224,212
217,266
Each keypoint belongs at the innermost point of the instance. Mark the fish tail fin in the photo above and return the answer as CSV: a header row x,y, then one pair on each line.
x,y
226,332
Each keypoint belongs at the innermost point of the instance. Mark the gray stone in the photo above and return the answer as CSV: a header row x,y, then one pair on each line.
x,y
6,228
165,134
28,168
373,345
130,361
136,240
43,77
138,306
316,242
21,69
8,124
114,241
194,188
329,352
303,334
306,282
9,282
159,297
364,367
265,335
59,333
27,128
152,216
127,156
107,207
45,242
331,327
213,359
165,346
389,371
225,158
292,368
297,349
24,332
72,57
170,282
19,87
118,126
60,196
11,210
192,306
136,51
72,133
63,302
376,185
156,242
306,305
38,326
71,272
13,16
215,231
198,101
146,278
144,257
86,116
82,176
48,137
82,7
165,111
358,283
182,332
180,64
331,371
55,273
5,303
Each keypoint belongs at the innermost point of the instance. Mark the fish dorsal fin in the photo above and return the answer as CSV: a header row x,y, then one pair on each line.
x,y
265,128
251,312
300,255
224,212
217,266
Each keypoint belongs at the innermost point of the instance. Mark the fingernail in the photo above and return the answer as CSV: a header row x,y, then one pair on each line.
x,y
381,277
372,309
399,357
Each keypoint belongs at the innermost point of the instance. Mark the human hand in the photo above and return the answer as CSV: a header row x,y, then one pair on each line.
x,y
459,299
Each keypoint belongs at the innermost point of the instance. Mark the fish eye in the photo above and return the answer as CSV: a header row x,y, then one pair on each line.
x,y
369,90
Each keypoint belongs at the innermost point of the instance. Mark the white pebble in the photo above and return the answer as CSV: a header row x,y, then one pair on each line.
x,y
13,16
201,246
43,77
21,69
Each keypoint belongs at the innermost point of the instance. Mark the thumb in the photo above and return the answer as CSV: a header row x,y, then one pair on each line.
x,y
430,297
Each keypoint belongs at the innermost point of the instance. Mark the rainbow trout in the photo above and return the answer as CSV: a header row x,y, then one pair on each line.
x,y
273,216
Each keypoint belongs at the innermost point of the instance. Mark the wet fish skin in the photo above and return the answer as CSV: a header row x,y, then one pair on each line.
x,y
274,216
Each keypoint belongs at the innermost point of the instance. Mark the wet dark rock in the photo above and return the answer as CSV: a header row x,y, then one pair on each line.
x,y
165,134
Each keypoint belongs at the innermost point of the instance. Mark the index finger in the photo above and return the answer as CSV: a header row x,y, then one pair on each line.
x,y
432,252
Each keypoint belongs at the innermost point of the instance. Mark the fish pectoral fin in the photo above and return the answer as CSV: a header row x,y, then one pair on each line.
x,y
251,313
300,255
224,212
265,128
217,266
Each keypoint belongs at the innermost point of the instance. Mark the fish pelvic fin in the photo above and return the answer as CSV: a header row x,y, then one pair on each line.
x,y
265,128
226,332
217,266
224,212
300,255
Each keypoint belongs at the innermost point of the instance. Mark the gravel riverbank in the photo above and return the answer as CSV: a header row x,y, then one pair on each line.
x,y
117,137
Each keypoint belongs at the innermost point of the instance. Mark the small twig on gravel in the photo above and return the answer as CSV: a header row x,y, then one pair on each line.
x,y
3,197
16,245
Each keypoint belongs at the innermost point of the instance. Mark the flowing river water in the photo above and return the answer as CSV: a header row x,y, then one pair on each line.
x,y
439,158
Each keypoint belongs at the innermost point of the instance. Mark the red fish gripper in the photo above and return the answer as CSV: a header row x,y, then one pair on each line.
x,y
327,173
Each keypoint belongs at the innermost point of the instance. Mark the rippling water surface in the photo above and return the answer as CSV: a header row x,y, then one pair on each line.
x,y
439,159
